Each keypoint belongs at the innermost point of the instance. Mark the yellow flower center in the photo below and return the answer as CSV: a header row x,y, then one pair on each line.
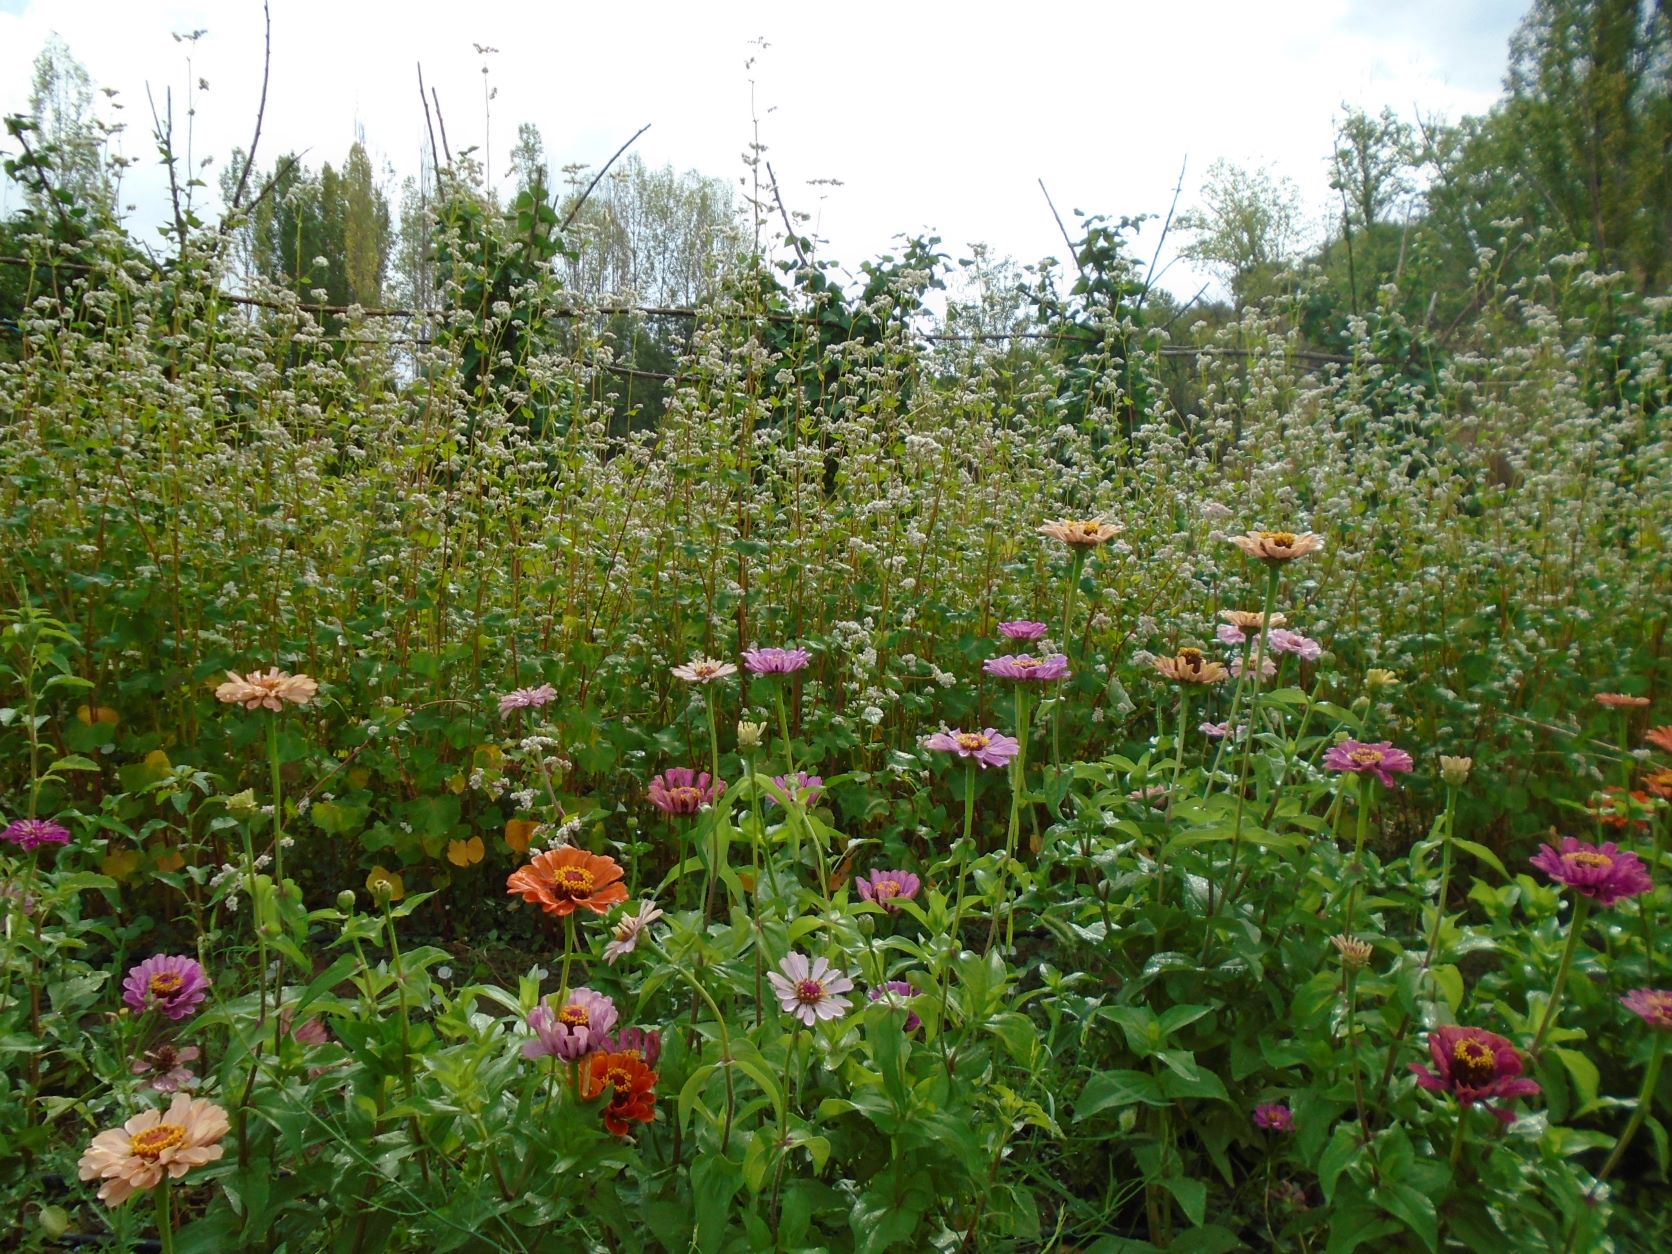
x,y
809,992
619,1077
153,1141
1590,859
888,888
1366,757
1283,539
1472,1062
687,796
1086,528
575,1016
975,740
166,982
1027,663
573,880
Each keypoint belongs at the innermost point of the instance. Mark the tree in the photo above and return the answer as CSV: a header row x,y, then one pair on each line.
x,y
1371,165
1247,227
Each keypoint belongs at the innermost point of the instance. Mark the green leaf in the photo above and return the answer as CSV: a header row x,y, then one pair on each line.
x,y
1115,1089
1586,1077
1342,1149
1481,852
73,762
1192,1197
1414,1207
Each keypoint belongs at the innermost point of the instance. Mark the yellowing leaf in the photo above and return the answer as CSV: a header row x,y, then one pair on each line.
x,y
97,714
457,783
359,776
518,832
490,756
157,760
166,857
119,864
465,852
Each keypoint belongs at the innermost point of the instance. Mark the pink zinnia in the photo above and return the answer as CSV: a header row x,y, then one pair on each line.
x,y
1023,629
166,1065
803,788
1266,668
629,928
646,1046
1218,731
989,747
176,986
810,990
884,887
1474,1065
571,1030
1282,640
681,790
31,834
1027,667
894,992
1380,759
1600,872
527,699
1652,1005
1274,1117
775,661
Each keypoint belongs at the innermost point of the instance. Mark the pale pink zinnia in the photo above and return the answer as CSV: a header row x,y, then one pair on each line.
x,y
989,747
1601,872
704,670
527,699
1282,640
1027,668
682,790
1022,629
810,991
1380,759
266,691
628,929
775,661
886,888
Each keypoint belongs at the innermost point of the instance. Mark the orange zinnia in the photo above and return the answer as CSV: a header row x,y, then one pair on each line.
x,y
632,1087
561,879
1660,737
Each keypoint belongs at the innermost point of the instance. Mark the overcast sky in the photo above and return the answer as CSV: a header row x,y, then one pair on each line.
x,y
933,115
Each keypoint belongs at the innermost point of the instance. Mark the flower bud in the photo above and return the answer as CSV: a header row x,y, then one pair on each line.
x,y
1378,678
243,803
345,901
750,736
1455,771
1355,954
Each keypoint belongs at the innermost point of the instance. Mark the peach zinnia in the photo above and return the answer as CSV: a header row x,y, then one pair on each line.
x,y
270,691
560,880
1080,533
153,1144
1660,737
1191,666
1278,546
1251,620
1621,701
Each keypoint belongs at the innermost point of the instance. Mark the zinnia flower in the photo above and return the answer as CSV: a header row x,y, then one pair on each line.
x,y
1660,737
635,1043
1621,701
270,691
681,790
632,1087
571,1030
166,1065
1660,783
1355,953
704,670
1263,664
988,747
801,787
1474,1065
311,1032
1274,1117
885,887
176,986
1652,1005
628,929
1249,620
1602,873
810,991
1278,546
560,880
1027,667
1455,771
1282,640
1380,759
1080,533
154,1143
1022,629
894,992
1191,666
31,834
527,699
1615,807
775,661
1218,731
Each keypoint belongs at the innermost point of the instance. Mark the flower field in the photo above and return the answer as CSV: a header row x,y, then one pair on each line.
x,y
1174,791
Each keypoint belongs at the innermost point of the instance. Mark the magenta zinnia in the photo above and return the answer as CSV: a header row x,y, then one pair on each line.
x,y
571,1030
1474,1065
1652,1005
1380,759
634,1042
175,986
1601,872
885,887
1022,629
775,661
1274,1117
989,747
682,790
31,834
810,990
1028,668
802,788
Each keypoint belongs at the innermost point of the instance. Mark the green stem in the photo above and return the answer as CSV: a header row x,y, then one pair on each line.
x,y
278,802
1018,776
1445,882
165,1215
1581,907
784,726
1457,1139
1645,1096
955,937
1366,783
720,1023
711,863
568,952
